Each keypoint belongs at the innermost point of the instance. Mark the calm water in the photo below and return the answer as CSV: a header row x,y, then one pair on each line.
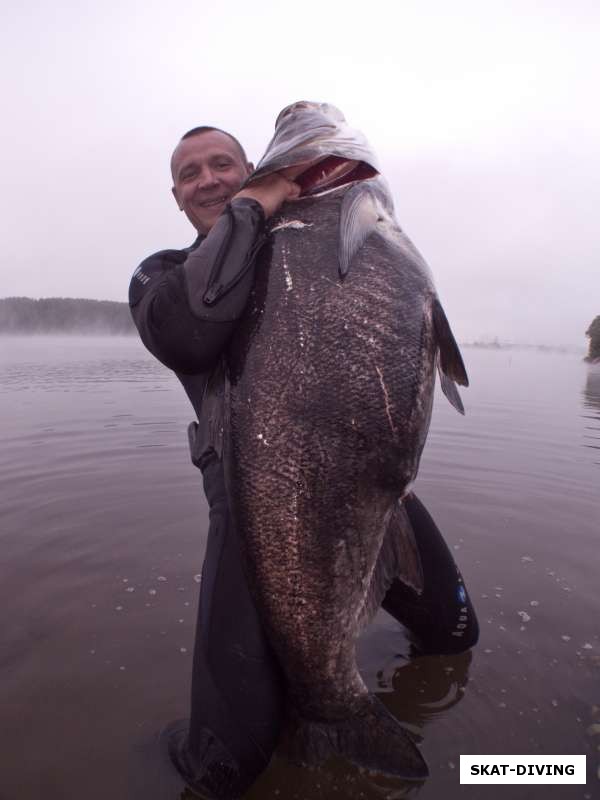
x,y
103,526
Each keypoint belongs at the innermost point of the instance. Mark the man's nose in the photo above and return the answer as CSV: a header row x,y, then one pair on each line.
x,y
207,179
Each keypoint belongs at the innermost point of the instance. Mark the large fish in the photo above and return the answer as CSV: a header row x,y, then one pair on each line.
x,y
331,378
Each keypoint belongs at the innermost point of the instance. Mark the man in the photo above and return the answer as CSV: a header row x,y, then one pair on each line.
x,y
185,304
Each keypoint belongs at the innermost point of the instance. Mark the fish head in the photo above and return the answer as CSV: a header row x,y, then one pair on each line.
x,y
325,113
315,145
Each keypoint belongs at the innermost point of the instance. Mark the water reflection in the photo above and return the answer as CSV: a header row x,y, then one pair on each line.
x,y
427,687
335,780
591,392
591,402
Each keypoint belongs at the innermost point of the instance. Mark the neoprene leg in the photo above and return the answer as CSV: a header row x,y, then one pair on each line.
x,y
442,618
237,697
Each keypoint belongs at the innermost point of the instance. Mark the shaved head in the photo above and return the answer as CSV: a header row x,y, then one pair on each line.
x,y
208,167
207,129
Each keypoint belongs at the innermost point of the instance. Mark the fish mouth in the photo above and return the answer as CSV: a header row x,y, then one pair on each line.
x,y
316,138
332,172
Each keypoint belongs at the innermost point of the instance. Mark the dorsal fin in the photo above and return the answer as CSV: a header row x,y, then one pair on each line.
x,y
450,365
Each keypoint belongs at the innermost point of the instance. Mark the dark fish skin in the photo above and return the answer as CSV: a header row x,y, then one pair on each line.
x,y
329,404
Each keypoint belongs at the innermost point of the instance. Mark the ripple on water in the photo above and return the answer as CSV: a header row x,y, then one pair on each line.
x,y
96,483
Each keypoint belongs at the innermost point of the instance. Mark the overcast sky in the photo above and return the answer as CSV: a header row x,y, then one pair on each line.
x,y
485,117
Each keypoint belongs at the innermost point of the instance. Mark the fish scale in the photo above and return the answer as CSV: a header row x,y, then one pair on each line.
x,y
296,460
328,403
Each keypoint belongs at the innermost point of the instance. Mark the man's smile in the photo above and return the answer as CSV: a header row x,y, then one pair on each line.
x,y
215,202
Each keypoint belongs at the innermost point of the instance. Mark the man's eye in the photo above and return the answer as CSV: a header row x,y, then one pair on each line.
x,y
224,164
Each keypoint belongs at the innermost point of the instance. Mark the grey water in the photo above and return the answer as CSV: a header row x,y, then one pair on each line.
x,y
102,532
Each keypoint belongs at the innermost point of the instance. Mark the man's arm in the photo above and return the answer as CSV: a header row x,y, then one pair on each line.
x,y
185,309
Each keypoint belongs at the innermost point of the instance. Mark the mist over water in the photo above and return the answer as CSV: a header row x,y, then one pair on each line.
x,y
103,527
64,315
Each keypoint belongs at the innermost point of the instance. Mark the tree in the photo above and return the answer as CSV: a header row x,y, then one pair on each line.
x,y
60,315
594,333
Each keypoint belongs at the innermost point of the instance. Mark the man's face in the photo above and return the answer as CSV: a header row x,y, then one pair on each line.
x,y
208,169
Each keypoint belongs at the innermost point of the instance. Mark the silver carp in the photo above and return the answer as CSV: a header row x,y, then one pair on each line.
x,y
331,375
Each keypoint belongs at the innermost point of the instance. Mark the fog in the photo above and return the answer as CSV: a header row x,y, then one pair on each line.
x,y
484,117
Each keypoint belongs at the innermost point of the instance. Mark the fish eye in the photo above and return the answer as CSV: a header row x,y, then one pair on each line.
x,y
333,112
292,107
283,113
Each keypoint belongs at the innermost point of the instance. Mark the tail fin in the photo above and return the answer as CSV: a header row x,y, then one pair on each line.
x,y
371,738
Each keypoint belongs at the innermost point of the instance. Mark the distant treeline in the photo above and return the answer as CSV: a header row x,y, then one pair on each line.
x,y
64,315
594,333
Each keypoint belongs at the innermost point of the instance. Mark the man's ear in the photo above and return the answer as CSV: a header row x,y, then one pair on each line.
x,y
174,191
250,166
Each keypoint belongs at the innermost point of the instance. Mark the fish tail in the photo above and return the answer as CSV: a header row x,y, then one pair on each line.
x,y
371,738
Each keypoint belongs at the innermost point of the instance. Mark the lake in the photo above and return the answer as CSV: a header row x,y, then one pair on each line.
x,y
103,526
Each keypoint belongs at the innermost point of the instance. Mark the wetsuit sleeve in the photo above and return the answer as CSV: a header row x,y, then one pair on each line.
x,y
185,306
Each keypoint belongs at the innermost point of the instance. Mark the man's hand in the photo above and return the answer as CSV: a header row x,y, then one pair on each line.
x,y
271,191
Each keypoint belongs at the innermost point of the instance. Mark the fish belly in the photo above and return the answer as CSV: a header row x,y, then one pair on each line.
x,y
329,401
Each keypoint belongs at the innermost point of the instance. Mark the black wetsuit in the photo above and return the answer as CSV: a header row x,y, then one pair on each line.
x,y
185,304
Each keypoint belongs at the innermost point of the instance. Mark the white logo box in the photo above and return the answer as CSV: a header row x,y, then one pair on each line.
x,y
497,769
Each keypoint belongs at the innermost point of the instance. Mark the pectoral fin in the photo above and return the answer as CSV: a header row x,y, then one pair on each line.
x,y
363,207
450,365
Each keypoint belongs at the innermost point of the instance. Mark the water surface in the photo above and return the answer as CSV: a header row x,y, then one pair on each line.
x,y
103,526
